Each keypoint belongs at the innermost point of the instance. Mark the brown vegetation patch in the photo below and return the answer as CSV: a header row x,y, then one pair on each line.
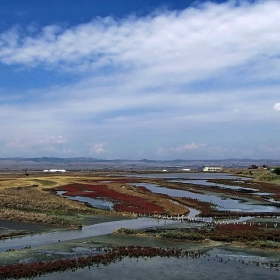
x,y
37,218
243,233
28,198
30,204
261,186
144,189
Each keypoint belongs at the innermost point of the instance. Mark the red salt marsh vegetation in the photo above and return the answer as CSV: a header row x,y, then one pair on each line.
x,y
250,234
108,255
119,189
126,198
33,198
122,202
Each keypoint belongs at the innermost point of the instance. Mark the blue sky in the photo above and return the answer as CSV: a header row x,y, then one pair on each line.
x,y
140,79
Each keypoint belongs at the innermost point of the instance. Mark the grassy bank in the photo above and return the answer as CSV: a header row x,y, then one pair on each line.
x,y
258,175
31,200
252,236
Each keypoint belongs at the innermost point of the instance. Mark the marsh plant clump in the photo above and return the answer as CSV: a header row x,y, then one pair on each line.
x,y
127,231
181,236
244,234
264,244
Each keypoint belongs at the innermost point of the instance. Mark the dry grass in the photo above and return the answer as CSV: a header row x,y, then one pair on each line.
x,y
40,180
30,199
259,175
37,218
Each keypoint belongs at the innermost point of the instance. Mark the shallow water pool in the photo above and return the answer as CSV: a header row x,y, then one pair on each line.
x,y
216,264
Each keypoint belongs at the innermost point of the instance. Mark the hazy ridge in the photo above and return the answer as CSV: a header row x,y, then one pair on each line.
x,y
88,163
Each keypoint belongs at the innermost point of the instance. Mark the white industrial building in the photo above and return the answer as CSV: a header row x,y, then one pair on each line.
x,y
212,168
54,170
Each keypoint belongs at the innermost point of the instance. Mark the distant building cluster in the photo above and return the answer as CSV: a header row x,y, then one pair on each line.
x,y
54,170
212,168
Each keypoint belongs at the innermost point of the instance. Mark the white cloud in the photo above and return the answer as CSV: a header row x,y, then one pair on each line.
x,y
28,147
196,41
186,147
146,77
276,107
15,144
96,148
38,142
179,149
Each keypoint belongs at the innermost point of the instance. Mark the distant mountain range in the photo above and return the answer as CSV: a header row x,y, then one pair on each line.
x,y
88,163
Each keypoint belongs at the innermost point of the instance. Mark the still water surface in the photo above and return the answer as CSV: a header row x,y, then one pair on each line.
x,y
222,186
216,264
222,202
87,231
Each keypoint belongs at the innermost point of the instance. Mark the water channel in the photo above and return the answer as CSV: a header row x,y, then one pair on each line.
x,y
223,202
87,231
94,202
236,188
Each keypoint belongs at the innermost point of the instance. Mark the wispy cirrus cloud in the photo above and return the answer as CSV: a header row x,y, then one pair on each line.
x,y
45,141
51,145
186,147
179,149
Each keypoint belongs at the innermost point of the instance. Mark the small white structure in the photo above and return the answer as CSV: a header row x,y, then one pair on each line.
x,y
54,170
212,168
186,169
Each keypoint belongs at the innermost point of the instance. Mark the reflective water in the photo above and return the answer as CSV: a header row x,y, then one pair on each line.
x,y
87,231
94,202
216,264
223,186
222,202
